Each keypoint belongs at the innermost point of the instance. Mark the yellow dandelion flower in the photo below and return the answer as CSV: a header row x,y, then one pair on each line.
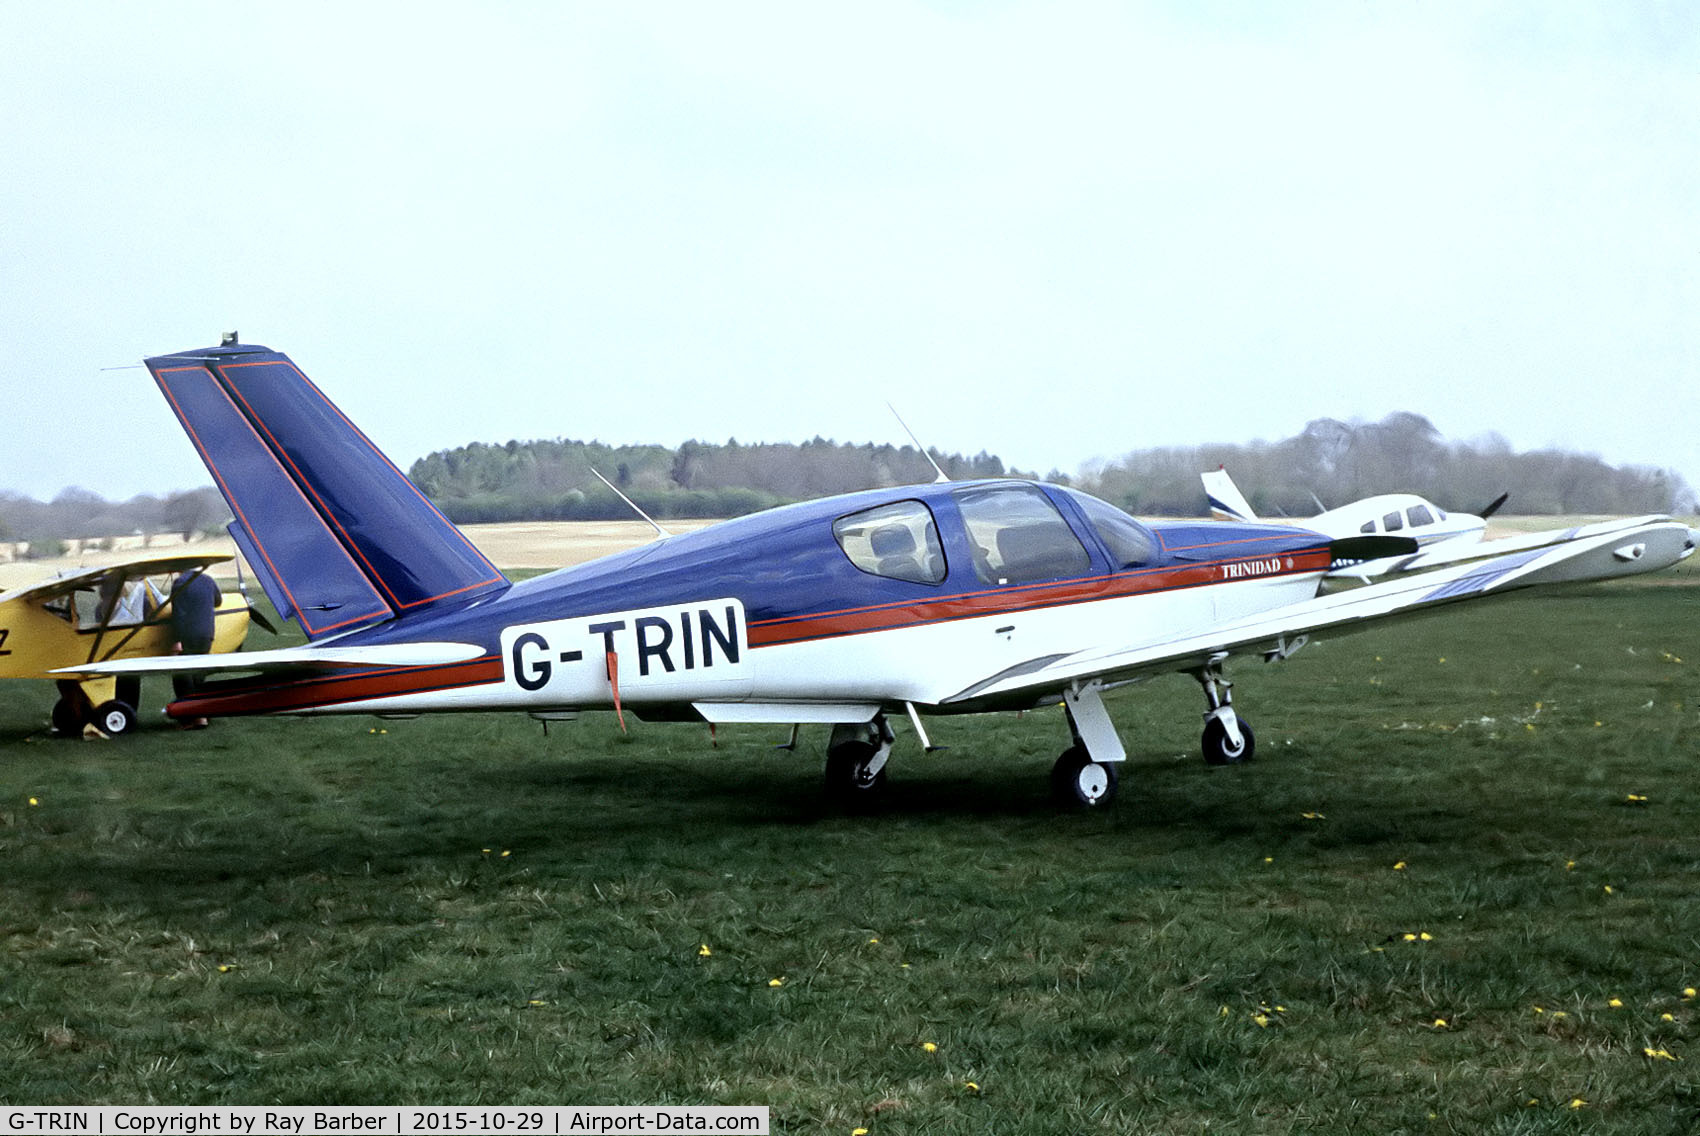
x,y
536,1002
930,1046
1688,991
1532,1102
1314,816
486,851
227,967
506,853
1261,1020
1578,1102
1598,723
1570,865
905,966
1608,889
703,951
1667,1017
873,942
1409,936
1530,726
1636,799
1560,1014
1225,1012
1615,1003
971,1086
776,981
1443,658
1440,1023
1280,1009
858,1132
1269,859
34,802
1399,867
1426,937
1538,1010
1660,1054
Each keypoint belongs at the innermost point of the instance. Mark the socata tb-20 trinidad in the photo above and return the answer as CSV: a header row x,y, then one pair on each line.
x,y
846,612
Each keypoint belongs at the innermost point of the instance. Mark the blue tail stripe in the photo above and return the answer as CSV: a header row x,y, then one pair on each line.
x,y
410,551
290,544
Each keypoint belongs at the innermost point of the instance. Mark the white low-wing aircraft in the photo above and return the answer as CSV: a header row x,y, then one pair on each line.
x,y
1402,514
849,611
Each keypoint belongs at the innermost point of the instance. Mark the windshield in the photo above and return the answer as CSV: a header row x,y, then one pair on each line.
x,y
1130,543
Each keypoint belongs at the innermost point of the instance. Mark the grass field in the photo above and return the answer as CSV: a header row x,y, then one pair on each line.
x,y
1456,893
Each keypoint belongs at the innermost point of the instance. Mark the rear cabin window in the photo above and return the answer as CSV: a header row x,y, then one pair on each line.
x,y
898,541
1017,536
1393,522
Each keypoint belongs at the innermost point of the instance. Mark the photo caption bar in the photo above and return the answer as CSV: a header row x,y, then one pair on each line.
x,y
299,1120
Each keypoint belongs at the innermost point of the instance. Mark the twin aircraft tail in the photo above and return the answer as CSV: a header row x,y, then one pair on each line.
x,y
338,536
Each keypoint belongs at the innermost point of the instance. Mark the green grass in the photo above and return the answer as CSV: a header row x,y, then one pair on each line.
x,y
463,910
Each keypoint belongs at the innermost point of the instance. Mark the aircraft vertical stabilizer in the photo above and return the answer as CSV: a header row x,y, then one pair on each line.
x,y
339,537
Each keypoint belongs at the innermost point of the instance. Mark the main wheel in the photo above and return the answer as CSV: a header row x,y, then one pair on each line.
x,y
1079,782
848,781
67,719
1218,751
115,718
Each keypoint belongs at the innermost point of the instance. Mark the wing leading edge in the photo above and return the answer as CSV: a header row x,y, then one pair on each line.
x,y
1372,592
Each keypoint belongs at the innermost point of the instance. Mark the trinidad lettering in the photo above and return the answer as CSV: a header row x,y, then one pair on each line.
x,y
1244,568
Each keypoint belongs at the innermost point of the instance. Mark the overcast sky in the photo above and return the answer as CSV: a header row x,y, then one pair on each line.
x,y
1057,232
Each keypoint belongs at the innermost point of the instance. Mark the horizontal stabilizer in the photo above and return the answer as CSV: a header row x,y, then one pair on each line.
x,y
289,659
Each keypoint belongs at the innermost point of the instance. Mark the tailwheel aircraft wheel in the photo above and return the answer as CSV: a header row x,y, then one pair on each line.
x,y
66,718
848,781
1079,782
1217,751
115,718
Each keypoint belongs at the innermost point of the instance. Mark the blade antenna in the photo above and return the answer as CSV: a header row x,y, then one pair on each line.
x,y
942,475
652,522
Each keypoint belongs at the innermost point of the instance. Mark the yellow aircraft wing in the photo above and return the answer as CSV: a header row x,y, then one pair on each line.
x,y
68,582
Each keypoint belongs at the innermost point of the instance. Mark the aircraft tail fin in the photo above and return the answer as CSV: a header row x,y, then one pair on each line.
x,y
1227,503
337,535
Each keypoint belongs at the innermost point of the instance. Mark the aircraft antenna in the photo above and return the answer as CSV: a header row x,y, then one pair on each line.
x,y
652,522
942,475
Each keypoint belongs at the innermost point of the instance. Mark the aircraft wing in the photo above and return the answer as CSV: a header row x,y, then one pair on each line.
x,y
76,579
1393,587
289,659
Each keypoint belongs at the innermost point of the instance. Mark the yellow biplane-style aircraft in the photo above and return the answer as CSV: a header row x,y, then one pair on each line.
x,y
89,615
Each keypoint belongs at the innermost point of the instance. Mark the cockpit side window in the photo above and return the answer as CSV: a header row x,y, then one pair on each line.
x,y
1017,536
898,541
1130,543
1419,515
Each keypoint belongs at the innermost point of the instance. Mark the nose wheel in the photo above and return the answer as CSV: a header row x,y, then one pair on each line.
x,y
1228,739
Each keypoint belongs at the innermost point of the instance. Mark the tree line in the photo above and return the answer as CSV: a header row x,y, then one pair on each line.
x,y
1337,462
1329,461
558,479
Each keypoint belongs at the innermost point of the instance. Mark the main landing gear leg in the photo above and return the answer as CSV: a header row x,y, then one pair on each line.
x,y
855,762
1085,775
1228,739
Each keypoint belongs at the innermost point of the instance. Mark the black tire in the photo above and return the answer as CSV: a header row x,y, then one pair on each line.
x,y
67,719
115,719
1217,751
848,783
1078,782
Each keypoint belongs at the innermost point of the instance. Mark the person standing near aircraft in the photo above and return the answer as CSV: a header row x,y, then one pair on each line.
x,y
192,607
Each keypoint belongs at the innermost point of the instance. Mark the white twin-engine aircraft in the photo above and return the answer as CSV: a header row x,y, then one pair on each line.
x,y
847,612
1403,514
